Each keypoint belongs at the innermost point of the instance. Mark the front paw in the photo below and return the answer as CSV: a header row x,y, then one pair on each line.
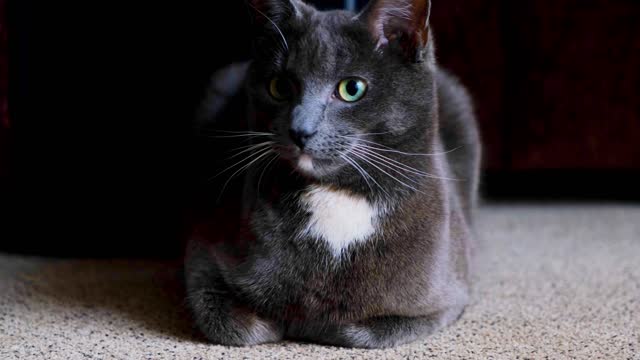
x,y
351,335
243,329
234,325
374,333
358,336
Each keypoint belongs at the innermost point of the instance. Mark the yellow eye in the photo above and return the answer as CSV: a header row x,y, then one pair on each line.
x,y
280,88
351,89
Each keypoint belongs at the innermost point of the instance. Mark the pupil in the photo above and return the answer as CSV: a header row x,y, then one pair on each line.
x,y
282,87
352,87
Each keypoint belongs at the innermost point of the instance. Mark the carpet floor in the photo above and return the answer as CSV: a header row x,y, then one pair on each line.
x,y
552,281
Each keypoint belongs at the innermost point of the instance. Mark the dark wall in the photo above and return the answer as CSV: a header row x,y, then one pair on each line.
x,y
96,159
101,102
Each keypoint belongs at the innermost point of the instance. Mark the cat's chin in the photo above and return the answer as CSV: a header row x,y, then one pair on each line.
x,y
309,166
314,167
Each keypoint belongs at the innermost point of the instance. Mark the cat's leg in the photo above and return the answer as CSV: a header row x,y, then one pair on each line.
x,y
379,332
217,312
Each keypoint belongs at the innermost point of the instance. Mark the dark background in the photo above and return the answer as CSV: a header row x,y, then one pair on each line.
x,y
95,140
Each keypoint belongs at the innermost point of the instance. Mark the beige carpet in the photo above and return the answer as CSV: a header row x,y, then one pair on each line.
x,y
554,281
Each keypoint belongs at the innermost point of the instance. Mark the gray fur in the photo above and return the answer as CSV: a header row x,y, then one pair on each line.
x,y
411,277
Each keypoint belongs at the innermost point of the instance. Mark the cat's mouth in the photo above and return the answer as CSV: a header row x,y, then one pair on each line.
x,y
313,166
308,164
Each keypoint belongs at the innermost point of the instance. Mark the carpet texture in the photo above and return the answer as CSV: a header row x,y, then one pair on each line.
x,y
552,281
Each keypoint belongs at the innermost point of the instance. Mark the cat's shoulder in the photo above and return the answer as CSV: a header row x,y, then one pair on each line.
x,y
451,92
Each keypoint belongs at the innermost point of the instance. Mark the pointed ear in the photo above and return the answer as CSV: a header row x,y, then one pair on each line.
x,y
402,21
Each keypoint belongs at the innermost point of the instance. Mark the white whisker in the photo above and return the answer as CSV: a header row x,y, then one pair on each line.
x,y
368,175
284,40
376,133
402,165
250,148
238,163
238,136
350,162
410,154
263,153
392,150
370,162
243,132
390,166
265,169
390,161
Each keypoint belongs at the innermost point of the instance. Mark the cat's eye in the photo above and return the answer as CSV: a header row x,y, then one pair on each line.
x,y
351,89
280,88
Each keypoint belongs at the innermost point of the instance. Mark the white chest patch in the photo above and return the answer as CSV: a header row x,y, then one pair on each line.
x,y
339,218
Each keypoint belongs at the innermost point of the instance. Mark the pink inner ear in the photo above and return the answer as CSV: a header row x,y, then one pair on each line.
x,y
388,18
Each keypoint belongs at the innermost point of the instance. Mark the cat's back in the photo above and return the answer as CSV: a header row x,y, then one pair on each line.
x,y
460,137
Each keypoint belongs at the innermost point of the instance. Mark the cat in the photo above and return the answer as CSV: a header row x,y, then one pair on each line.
x,y
349,221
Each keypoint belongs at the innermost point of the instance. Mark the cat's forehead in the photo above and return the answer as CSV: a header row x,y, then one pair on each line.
x,y
325,43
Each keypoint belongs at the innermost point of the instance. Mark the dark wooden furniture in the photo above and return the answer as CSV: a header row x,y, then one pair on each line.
x,y
557,83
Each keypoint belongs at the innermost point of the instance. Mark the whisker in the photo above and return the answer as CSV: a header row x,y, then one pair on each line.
x,y
390,149
245,167
368,160
232,132
402,166
237,136
242,147
350,162
242,132
265,169
359,139
376,133
411,154
370,177
249,148
405,166
393,168
284,40
391,161
238,163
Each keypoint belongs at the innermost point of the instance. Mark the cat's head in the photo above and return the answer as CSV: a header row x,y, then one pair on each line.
x,y
327,82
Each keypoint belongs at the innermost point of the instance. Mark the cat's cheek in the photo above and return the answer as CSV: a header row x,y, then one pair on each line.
x,y
399,121
264,120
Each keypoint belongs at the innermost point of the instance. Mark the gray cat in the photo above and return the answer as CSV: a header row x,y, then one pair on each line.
x,y
351,225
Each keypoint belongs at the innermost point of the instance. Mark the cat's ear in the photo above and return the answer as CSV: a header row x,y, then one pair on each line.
x,y
403,21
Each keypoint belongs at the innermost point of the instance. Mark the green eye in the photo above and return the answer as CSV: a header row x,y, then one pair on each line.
x,y
351,89
280,88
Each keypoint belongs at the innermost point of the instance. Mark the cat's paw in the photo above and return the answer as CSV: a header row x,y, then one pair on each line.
x,y
358,336
224,322
350,335
391,331
363,336
254,330
240,328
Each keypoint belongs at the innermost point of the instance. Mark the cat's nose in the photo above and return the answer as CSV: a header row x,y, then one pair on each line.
x,y
300,137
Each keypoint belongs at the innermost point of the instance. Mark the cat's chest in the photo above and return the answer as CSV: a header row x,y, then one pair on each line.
x,y
288,260
337,218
